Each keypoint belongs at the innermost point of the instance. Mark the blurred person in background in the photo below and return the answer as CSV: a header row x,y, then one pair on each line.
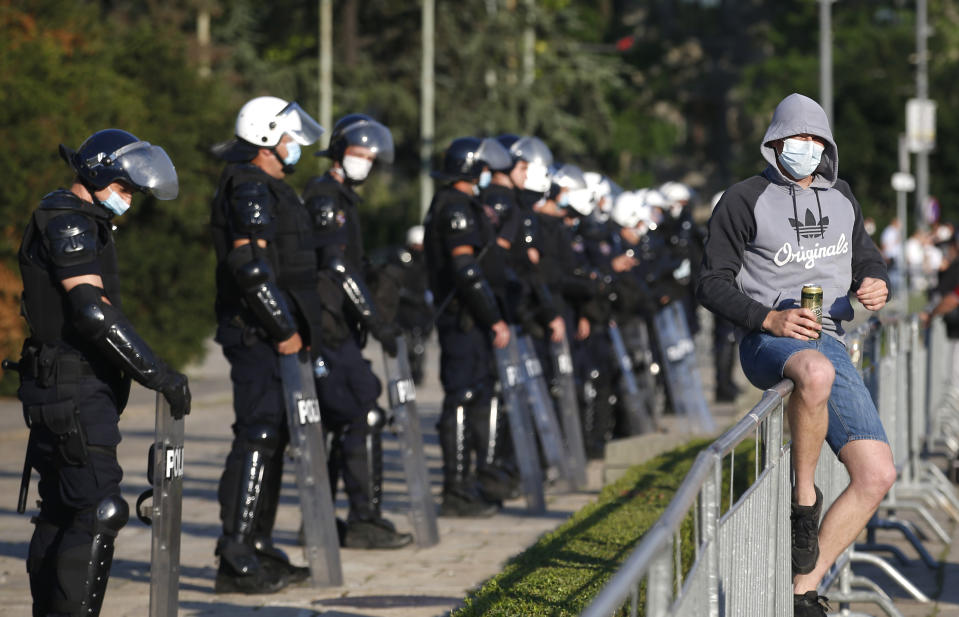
x,y
470,323
348,392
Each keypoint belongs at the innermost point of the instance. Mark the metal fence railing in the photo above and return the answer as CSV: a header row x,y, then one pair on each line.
x,y
741,554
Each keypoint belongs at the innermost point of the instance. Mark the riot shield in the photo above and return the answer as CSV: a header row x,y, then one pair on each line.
x,y
639,344
637,415
322,546
406,424
521,429
564,394
167,472
679,365
541,408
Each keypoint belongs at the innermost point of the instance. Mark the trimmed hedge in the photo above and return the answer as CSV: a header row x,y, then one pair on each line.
x,y
565,569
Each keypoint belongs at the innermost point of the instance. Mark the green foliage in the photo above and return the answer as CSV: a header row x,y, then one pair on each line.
x,y
565,569
79,70
687,96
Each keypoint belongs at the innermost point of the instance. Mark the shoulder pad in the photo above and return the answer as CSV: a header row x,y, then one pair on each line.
x,y
459,218
71,239
251,207
61,200
326,213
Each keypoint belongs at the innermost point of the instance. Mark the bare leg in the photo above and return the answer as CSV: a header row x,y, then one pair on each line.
x,y
813,375
871,473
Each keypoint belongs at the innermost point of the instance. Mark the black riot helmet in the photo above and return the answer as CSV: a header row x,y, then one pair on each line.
x,y
113,155
359,130
461,161
507,140
466,157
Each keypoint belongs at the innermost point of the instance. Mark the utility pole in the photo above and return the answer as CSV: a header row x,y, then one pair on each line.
x,y
529,46
426,107
922,93
825,57
326,69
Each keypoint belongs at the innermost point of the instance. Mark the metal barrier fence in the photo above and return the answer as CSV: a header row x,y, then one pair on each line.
x,y
742,563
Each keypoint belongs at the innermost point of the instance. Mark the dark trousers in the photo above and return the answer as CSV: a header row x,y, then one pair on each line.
x,y
70,490
257,402
347,397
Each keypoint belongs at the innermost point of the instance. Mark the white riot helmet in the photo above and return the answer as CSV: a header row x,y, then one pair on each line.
x,y
657,204
630,209
538,155
264,120
578,196
603,191
677,196
415,235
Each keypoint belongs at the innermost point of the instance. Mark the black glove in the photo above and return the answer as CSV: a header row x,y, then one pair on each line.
x,y
176,390
386,333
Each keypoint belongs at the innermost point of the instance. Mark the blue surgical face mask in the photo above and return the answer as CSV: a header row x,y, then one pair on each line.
x,y
563,200
292,153
800,157
485,178
115,203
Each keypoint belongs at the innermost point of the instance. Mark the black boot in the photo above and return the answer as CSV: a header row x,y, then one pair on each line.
x,y
461,496
363,476
241,492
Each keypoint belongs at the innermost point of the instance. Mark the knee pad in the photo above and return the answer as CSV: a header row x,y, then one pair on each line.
x,y
263,438
112,514
375,420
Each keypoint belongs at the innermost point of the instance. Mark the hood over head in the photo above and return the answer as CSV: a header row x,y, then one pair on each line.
x,y
797,114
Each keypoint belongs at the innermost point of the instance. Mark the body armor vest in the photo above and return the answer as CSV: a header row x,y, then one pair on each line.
x,y
45,305
290,254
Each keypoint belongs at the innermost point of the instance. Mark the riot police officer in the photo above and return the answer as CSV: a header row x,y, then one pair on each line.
x,y
348,393
266,305
76,364
457,237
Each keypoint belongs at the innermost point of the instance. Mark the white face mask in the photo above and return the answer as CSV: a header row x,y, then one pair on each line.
x,y
356,168
800,157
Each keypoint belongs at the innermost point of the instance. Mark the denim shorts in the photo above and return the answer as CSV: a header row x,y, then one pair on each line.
x,y
852,412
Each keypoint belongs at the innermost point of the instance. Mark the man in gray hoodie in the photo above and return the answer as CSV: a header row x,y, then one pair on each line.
x,y
797,223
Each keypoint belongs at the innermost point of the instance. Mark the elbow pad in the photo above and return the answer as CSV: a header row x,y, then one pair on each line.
x,y
475,290
357,293
112,333
261,293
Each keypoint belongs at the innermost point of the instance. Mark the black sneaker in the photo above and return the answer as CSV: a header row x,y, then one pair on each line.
x,y
810,604
805,535
456,504
374,534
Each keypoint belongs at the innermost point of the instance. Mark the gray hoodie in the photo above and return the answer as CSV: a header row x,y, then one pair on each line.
x,y
768,236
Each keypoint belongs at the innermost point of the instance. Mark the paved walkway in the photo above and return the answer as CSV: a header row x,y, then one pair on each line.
x,y
410,582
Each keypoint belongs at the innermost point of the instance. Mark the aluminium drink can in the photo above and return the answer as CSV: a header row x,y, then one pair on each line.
x,y
812,299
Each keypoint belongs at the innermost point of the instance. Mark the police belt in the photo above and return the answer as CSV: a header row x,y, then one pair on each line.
x,y
47,364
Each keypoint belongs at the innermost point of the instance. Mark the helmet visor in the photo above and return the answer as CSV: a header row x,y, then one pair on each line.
x,y
149,169
570,176
373,136
298,124
494,155
532,150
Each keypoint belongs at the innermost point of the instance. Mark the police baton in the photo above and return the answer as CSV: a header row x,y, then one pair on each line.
x,y
10,365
